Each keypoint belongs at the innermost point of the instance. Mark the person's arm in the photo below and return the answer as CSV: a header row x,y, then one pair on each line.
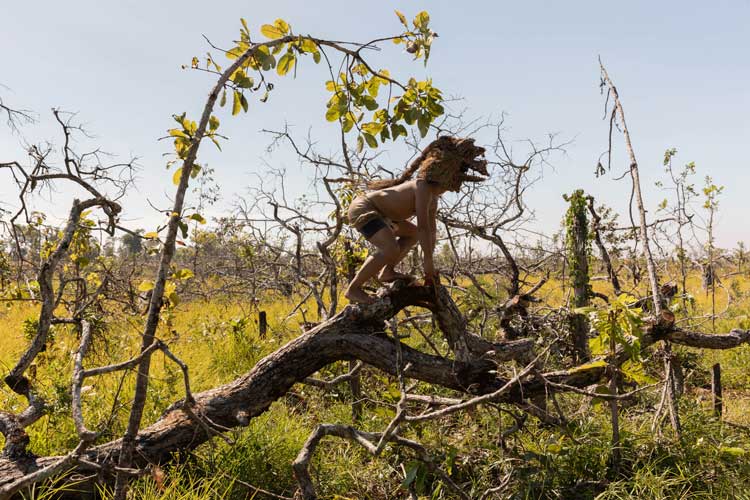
x,y
433,222
424,201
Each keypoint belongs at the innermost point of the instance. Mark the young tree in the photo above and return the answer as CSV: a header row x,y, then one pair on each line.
x,y
684,194
711,193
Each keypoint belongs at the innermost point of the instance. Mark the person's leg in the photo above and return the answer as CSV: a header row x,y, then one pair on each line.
x,y
407,238
386,253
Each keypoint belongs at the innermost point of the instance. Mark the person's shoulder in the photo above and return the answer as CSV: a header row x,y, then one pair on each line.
x,y
426,186
419,183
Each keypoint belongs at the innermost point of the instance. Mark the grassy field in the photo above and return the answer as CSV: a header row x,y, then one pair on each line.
x,y
219,341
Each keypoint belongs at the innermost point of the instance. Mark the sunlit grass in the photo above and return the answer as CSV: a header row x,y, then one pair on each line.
x,y
219,340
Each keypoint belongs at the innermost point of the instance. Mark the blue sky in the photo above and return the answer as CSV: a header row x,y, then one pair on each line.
x,y
682,69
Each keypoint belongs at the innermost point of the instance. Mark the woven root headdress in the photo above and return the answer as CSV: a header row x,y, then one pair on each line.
x,y
446,161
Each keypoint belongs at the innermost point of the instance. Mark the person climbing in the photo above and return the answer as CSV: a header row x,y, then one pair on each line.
x,y
382,214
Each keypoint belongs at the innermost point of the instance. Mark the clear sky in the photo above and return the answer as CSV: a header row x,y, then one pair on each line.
x,y
682,69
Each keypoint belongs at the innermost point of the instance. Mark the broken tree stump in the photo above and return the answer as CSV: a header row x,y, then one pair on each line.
x,y
716,399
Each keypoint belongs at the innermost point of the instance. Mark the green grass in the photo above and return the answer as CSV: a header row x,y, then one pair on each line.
x,y
219,341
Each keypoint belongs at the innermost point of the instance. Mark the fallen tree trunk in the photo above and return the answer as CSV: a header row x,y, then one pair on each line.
x,y
355,333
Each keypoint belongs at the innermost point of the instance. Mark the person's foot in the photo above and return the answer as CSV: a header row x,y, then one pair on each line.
x,y
388,275
358,296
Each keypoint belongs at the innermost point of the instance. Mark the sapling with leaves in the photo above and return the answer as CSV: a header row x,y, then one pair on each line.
x,y
680,210
620,327
711,193
740,254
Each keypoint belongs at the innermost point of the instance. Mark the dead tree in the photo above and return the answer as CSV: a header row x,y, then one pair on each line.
x,y
596,230
57,290
577,243
618,115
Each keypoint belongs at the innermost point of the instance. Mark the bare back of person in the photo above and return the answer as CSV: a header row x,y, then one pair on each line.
x,y
398,202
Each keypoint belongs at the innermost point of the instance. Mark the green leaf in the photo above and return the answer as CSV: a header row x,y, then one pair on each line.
x,y
264,58
285,64
179,118
373,128
213,123
270,31
234,52
411,473
411,116
422,20
243,102
588,366
279,29
360,143
190,126
737,452
423,124
183,274
371,141
435,109
348,122
242,80
554,448
384,134
278,48
309,46
282,26
223,100
402,18
373,86
397,129
175,132
393,391
146,286
198,218
183,228
369,103
212,62
332,114
236,103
